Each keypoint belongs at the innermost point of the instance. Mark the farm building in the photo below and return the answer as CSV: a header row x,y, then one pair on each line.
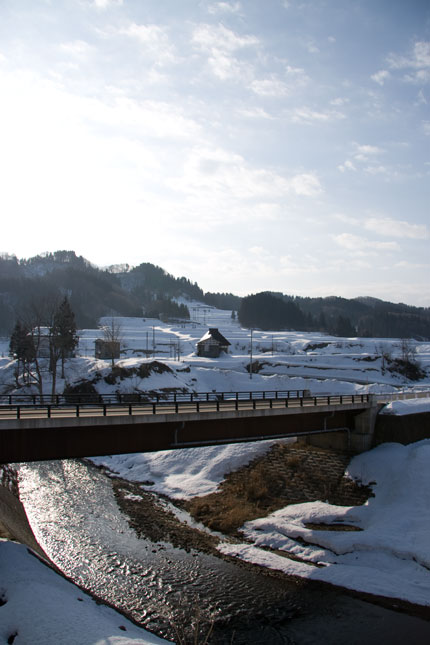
x,y
105,349
212,344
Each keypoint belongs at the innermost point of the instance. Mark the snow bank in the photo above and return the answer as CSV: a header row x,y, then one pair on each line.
x,y
184,473
42,608
408,406
388,556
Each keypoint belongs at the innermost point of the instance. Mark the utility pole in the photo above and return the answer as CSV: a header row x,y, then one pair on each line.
x,y
250,359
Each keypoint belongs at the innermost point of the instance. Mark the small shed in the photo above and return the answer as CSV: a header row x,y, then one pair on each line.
x,y
105,349
212,344
42,341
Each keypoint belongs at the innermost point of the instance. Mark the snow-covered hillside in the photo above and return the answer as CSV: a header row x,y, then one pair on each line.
x,y
281,360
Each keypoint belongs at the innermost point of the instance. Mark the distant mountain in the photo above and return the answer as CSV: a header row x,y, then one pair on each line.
x,y
149,290
93,292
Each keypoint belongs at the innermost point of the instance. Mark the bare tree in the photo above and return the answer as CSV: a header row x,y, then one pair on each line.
x,y
408,350
112,336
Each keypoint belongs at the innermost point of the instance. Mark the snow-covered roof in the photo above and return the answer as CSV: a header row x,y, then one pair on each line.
x,y
214,334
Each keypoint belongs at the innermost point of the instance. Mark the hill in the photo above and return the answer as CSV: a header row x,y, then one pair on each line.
x,y
149,290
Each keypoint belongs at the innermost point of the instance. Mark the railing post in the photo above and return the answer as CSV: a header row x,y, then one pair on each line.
x,y
77,409
341,399
49,411
301,401
176,406
154,408
197,406
104,409
130,409
18,411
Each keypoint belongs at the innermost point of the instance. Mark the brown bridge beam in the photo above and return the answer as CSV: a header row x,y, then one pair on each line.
x,y
40,439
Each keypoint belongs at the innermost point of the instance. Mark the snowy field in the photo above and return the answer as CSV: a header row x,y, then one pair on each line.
x,y
286,360
389,555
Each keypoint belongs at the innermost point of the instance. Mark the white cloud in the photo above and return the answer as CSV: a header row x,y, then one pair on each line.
x,y
103,4
220,44
377,170
339,101
269,87
225,175
426,128
78,48
224,7
255,113
418,61
347,219
395,228
307,115
366,152
210,37
311,46
361,245
153,40
381,76
306,184
348,165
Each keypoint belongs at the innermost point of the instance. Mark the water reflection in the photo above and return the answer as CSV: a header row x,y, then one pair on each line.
x,y
75,518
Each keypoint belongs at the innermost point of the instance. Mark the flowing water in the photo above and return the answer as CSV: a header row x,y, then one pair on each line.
x,y
75,518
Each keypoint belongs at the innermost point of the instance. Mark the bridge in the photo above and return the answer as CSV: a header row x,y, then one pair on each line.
x,y
68,426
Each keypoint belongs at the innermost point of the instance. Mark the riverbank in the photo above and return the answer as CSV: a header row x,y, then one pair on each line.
x,y
255,490
303,612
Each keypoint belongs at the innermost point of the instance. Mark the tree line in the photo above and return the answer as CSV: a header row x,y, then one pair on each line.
x,y
365,317
45,335
149,290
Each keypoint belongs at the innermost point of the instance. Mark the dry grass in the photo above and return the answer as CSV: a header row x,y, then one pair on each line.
x,y
284,476
240,499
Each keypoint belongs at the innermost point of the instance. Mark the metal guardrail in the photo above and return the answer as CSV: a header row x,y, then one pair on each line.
x,y
144,397
216,403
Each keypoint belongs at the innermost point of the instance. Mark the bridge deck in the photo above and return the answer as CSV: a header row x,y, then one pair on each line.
x,y
51,432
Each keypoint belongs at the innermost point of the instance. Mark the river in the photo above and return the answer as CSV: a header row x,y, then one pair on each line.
x,y
75,518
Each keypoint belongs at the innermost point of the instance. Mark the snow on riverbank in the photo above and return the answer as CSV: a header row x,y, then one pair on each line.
x,y
409,406
389,556
184,473
40,607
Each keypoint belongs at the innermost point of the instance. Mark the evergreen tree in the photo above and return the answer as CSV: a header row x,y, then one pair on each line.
x,y
267,311
63,333
21,347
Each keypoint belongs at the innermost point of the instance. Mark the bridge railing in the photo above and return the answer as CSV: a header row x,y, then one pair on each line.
x,y
218,404
118,398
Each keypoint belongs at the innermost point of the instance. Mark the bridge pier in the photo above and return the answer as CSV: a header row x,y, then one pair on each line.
x,y
362,438
355,439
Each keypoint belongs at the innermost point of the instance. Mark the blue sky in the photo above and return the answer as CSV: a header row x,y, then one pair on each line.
x,y
247,145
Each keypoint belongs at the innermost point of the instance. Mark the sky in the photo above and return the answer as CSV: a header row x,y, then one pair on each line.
x,y
246,145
